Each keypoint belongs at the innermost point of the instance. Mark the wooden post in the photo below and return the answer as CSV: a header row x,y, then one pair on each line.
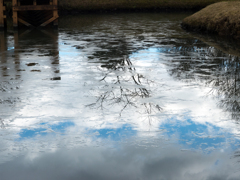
x,y
15,15
55,13
54,19
2,42
3,51
2,16
16,52
17,11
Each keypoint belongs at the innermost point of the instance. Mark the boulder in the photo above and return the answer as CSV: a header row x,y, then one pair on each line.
x,y
221,18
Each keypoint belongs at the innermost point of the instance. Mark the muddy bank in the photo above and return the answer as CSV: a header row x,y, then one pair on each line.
x,y
79,6
220,18
112,5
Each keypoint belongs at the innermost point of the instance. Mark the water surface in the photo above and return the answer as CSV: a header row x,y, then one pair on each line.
x,y
118,96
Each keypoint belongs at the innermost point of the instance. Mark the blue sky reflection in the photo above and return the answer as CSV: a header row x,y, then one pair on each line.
x,y
42,131
199,136
117,134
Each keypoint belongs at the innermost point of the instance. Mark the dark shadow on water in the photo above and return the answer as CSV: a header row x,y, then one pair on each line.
x,y
24,54
43,42
3,49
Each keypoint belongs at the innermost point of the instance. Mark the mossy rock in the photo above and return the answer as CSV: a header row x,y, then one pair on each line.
x,y
222,18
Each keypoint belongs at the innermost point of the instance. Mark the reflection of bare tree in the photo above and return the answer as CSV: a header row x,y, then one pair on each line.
x,y
213,68
236,157
195,63
237,154
226,86
2,123
125,87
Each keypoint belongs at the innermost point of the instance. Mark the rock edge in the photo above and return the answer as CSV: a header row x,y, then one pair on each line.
x,y
220,18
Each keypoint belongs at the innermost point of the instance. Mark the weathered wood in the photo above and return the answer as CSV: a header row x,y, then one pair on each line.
x,y
52,6
2,16
55,13
24,22
15,17
3,49
48,21
2,42
55,2
35,8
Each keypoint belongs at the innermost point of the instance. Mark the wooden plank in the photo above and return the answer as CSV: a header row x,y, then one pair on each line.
x,y
34,8
55,22
1,14
2,42
15,17
55,2
3,49
24,22
53,6
14,2
55,13
48,21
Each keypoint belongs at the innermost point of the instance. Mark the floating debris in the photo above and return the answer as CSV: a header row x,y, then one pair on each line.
x,y
31,64
78,47
35,70
56,78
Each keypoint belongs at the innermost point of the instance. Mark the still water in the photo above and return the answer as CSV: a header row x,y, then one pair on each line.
x,y
119,96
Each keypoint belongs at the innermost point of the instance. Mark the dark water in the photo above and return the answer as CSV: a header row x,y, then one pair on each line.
x,y
127,96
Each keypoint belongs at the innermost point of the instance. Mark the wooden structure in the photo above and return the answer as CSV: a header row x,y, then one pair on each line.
x,y
35,13
2,16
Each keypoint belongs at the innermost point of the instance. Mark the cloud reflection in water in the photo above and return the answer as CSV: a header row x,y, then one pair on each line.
x,y
136,161
126,131
159,146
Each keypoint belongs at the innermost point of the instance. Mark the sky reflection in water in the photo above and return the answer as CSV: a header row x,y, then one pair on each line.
x,y
31,133
117,98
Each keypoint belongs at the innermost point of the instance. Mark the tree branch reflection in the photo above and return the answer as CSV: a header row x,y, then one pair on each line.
x,y
125,87
215,69
226,86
